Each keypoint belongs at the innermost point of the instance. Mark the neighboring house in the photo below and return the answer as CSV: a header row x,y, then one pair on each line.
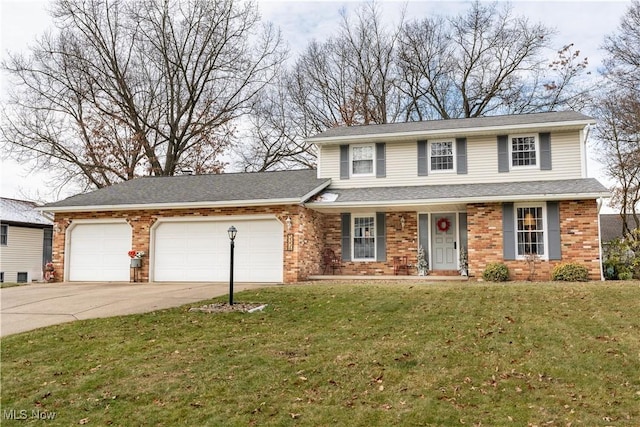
x,y
611,226
25,241
504,189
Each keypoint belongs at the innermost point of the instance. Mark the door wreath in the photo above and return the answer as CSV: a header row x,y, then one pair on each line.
x,y
443,225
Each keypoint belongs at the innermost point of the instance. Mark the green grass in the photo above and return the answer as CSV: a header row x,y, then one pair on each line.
x,y
11,284
331,355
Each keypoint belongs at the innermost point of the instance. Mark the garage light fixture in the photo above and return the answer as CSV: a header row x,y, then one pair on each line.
x,y
288,221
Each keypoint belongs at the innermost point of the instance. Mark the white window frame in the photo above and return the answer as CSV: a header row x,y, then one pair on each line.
x,y
536,142
354,237
453,154
4,232
545,229
373,159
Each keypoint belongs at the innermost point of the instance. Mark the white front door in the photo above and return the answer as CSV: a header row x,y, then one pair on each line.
x,y
443,241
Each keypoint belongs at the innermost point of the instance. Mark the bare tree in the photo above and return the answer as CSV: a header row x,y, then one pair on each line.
x,y
350,79
485,61
276,134
129,88
619,115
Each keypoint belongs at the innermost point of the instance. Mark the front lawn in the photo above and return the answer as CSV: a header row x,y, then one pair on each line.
x,y
344,354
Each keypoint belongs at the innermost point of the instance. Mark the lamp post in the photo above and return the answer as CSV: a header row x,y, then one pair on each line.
x,y
232,236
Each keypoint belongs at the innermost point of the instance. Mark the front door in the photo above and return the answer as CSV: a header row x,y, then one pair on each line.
x,y
443,244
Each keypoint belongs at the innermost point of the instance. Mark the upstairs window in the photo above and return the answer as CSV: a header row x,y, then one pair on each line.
x,y
530,231
441,156
4,234
523,151
362,159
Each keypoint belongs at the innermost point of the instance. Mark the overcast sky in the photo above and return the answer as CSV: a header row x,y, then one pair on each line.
x,y
584,23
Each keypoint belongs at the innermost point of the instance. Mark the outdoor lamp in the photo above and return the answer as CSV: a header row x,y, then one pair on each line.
x,y
288,221
232,233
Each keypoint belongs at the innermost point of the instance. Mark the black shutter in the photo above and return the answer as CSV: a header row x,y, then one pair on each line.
x,y
381,161
503,153
553,223
344,162
545,151
461,156
423,166
381,237
508,232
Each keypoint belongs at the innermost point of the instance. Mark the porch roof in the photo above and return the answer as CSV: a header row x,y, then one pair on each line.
x,y
399,197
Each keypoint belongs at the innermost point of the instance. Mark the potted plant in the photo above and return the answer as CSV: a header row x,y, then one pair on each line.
x,y
136,258
423,264
464,262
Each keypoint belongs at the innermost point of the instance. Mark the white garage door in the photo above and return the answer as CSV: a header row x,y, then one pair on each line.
x,y
198,251
98,252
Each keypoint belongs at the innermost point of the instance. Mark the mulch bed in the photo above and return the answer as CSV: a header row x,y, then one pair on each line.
x,y
221,307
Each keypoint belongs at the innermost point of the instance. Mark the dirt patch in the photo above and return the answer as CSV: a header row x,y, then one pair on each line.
x,y
243,307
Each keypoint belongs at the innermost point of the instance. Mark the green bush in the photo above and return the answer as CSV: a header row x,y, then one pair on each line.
x,y
496,272
570,272
625,275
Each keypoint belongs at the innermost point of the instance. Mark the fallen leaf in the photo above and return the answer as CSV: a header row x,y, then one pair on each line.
x,y
295,416
84,421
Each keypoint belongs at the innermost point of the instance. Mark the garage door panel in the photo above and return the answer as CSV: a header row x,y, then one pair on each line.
x,y
98,252
199,251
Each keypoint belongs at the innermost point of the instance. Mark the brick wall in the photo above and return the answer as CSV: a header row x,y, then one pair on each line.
x,y
399,242
579,240
306,229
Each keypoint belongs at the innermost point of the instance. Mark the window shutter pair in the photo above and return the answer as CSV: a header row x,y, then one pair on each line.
x,y
544,139
461,157
381,161
381,236
509,231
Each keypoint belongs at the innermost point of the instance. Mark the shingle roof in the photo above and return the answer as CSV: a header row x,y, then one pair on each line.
x,y
193,189
570,188
453,124
22,212
611,226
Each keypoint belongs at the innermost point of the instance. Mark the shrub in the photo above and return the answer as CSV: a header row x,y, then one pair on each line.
x,y
496,272
570,272
625,275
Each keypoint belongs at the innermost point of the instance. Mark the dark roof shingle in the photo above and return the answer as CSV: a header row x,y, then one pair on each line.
x,y
450,124
258,186
501,190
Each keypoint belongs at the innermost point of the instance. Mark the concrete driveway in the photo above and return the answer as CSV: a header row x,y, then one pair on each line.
x,y
28,307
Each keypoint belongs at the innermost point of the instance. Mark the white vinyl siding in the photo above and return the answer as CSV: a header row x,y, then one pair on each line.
x,y
482,164
23,253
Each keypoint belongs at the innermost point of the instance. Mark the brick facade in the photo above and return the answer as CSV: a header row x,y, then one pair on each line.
x,y
578,237
299,263
400,242
311,232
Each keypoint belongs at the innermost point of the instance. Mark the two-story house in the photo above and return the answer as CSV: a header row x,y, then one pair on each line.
x,y
510,189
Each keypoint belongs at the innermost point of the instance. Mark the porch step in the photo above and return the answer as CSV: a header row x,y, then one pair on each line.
x,y
429,278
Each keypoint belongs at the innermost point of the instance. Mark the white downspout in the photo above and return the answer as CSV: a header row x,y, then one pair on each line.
x,y
600,203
